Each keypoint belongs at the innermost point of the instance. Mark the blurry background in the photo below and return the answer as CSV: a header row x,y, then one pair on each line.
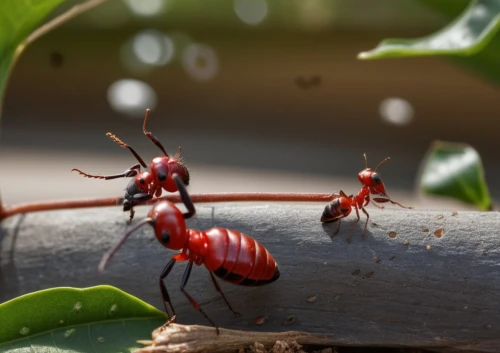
x,y
221,78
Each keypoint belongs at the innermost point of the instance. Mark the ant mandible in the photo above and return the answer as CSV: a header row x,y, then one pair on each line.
x,y
229,254
145,184
342,205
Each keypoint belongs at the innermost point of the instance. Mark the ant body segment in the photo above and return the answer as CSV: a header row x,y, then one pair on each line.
x,y
145,184
342,205
227,254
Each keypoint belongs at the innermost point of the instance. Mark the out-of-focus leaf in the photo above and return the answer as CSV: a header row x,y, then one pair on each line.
x,y
466,35
455,170
96,319
449,8
18,18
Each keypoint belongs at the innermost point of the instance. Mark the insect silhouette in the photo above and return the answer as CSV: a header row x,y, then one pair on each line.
x,y
227,254
342,205
146,185
56,59
306,83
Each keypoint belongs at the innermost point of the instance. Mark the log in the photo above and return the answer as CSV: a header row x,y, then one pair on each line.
x,y
422,279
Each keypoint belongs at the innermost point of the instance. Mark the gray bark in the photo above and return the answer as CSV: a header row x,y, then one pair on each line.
x,y
415,289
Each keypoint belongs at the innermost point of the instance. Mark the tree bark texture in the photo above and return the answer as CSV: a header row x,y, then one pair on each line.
x,y
419,278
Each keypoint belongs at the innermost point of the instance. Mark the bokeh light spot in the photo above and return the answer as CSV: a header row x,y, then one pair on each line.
x,y
146,50
146,8
131,97
396,111
251,12
152,47
200,62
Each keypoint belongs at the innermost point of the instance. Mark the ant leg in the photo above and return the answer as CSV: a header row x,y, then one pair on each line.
x,y
354,225
184,196
223,296
366,224
367,199
193,302
397,203
377,205
133,202
163,288
149,135
132,171
338,228
142,197
124,145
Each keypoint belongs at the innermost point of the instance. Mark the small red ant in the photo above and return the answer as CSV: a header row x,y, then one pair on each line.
x,y
229,254
145,184
341,206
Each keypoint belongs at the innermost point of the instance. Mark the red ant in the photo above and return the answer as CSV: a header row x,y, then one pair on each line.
x,y
341,206
145,185
229,254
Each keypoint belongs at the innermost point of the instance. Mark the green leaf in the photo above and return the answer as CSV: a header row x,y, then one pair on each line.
x,y
449,8
467,35
455,170
18,18
96,319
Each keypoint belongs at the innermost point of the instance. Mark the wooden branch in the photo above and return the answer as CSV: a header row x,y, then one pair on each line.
x,y
423,279
174,338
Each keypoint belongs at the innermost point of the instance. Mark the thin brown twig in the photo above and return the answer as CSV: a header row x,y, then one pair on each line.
x,y
9,211
250,196
59,20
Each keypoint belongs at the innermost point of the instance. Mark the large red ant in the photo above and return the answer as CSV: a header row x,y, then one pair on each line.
x,y
342,205
145,184
229,254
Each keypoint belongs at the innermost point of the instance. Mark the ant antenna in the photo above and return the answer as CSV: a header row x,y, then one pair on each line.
x,y
149,135
124,145
108,255
385,160
366,161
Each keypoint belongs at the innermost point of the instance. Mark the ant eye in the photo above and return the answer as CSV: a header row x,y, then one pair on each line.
x,y
344,210
165,237
162,176
141,181
376,178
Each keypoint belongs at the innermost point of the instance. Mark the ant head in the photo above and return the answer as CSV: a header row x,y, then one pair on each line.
x,y
143,181
160,170
137,190
169,225
371,179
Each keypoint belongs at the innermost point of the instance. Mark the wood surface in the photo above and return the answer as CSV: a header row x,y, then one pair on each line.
x,y
415,287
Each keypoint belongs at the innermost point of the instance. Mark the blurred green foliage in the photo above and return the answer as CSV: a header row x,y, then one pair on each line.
x,y
471,39
18,18
455,170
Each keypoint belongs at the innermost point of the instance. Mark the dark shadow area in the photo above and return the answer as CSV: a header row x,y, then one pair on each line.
x,y
8,271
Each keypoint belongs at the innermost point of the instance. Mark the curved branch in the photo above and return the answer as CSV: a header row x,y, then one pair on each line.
x,y
421,279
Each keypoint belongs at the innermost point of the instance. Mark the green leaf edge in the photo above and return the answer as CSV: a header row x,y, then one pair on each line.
x,y
484,206
15,54
28,296
380,51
